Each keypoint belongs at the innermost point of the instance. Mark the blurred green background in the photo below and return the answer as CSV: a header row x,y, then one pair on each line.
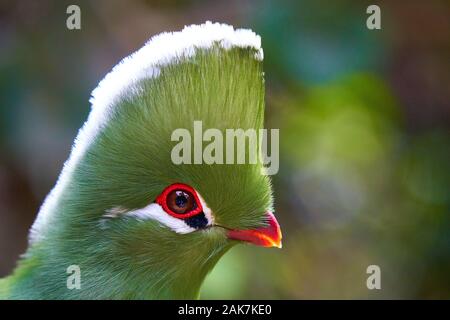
x,y
364,120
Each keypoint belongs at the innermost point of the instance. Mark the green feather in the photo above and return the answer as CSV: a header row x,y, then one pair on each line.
x,y
128,164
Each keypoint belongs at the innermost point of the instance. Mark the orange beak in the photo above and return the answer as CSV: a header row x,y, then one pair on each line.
x,y
269,236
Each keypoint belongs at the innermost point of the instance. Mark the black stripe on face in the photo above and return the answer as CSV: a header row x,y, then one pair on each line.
x,y
198,221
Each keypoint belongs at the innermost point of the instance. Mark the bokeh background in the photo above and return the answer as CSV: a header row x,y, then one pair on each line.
x,y
364,120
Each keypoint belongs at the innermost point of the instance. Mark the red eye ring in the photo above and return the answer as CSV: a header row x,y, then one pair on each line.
x,y
162,200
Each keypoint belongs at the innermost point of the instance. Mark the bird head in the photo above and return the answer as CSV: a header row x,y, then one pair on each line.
x,y
124,207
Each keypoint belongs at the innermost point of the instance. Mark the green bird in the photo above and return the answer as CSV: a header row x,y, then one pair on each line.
x,y
125,221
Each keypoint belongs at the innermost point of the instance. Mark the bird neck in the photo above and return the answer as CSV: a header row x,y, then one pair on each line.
x,y
48,275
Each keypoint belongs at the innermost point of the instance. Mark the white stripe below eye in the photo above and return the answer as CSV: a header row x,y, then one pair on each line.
x,y
155,212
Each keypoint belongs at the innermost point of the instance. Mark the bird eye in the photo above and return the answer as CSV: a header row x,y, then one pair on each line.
x,y
180,201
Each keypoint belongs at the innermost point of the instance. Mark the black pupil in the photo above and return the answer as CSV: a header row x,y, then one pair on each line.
x,y
181,199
